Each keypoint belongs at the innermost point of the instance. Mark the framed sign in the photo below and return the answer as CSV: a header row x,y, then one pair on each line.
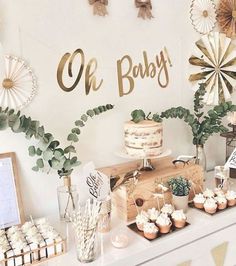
x,y
11,208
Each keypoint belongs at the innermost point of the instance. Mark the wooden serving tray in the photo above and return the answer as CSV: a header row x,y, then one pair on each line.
x,y
191,205
173,229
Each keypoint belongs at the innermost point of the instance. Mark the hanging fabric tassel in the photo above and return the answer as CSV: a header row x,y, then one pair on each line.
x,y
145,7
99,7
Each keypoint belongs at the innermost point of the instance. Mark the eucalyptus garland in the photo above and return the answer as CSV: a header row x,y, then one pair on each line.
x,y
203,125
49,153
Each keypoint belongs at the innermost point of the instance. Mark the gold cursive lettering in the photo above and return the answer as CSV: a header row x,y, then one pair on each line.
x,y
90,79
61,67
157,69
122,76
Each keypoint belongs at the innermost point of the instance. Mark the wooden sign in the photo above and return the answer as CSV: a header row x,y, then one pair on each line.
x,y
11,208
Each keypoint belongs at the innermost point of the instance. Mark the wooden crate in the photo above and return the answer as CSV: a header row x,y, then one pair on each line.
x,y
147,185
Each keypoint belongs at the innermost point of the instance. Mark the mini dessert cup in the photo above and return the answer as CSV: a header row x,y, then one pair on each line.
x,y
179,223
140,226
231,198
231,202
199,205
150,236
222,205
210,210
150,231
165,229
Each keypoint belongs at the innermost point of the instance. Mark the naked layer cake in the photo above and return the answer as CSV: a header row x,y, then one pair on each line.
x,y
143,139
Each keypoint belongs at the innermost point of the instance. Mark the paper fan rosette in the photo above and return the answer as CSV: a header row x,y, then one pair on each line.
x,y
203,15
18,83
226,16
214,62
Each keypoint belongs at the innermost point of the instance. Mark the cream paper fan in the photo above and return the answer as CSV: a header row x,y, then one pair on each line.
x,y
215,65
18,83
203,15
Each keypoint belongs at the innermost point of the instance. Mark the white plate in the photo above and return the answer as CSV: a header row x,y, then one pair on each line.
x,y
125,155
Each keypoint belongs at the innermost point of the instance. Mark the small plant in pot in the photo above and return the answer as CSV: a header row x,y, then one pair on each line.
x,y
180,188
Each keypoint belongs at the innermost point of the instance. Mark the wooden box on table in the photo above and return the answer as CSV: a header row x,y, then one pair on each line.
x,y
148,185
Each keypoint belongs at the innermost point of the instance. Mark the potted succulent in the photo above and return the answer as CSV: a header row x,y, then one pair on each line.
x,y
180,188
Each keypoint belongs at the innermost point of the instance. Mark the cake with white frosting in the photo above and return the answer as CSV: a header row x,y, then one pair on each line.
x,y
144,138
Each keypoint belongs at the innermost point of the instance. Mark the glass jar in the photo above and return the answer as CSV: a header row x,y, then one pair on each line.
x,y
201,157
87,245
67,199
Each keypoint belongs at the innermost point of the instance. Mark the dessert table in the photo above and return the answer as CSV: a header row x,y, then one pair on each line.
x,y
194,243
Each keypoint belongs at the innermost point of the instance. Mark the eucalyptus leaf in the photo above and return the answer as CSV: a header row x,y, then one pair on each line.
x,y
32,151
40,163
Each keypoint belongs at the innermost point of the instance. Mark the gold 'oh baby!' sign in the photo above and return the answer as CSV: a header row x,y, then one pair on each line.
x,y
127,71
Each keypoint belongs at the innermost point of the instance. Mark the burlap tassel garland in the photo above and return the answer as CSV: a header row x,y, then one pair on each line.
x,y
99,7
145,7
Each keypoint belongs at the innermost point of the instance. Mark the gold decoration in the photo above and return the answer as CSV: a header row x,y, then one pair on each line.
x,y
226,16
215,61
127,71
203,15
90,69
145,7
99,7
219,254
18,85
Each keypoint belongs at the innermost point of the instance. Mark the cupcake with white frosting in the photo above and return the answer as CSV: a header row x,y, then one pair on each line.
x,y
231,197
153,214
179,218
141,219
221,202
199,200
167,209
150,230
164,223
210,206
208,193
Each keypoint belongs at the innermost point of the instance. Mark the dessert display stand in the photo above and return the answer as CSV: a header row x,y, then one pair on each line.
x,y
146,161
194,243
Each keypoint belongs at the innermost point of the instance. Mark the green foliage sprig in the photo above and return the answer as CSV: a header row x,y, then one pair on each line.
x,y
202,125
179,186
48,151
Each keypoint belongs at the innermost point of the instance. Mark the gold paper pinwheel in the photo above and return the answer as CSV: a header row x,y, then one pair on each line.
x,y
215,63
18,83
226,16
203,15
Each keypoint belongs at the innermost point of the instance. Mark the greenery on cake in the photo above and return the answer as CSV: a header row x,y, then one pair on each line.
x,y
139,115
203,124
49,153
179,186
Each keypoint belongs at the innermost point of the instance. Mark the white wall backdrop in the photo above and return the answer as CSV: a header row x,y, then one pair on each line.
x,y
41,31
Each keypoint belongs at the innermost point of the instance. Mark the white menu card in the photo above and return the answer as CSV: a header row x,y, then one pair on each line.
x,y
9,209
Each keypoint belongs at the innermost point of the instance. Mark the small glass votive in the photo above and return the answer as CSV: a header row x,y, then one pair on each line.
x,y
222,177
119,238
